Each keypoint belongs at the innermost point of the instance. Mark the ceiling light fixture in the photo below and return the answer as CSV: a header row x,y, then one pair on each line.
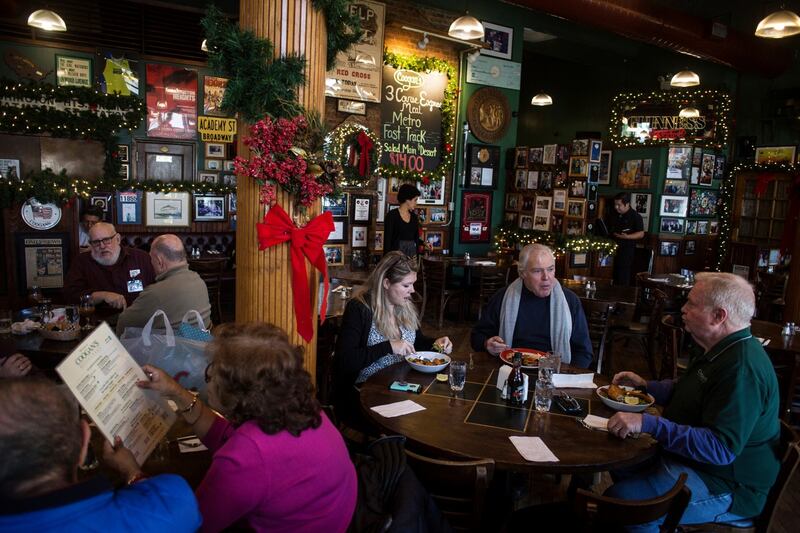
x,y
685,78
466,28
44,19
689,112
423,43
473,56
779,25
204,46
542,99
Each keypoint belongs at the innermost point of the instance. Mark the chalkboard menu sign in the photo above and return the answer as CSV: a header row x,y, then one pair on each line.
x,y
411,118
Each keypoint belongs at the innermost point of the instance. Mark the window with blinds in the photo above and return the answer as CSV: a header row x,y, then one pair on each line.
x,y
760,219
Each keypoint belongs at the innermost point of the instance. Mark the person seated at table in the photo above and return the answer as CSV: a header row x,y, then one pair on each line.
x,y
536,312
402,224
112,274
176,290
380,326
279,463
43,441
15,365
720,420
90,216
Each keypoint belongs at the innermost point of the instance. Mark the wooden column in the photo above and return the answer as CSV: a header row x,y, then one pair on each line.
x,y
264,278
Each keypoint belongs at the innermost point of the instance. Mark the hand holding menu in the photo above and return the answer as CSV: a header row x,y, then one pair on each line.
x,y
102,375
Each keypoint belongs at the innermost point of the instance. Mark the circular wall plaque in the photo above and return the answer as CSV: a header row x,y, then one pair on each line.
x,y
488,114
40,216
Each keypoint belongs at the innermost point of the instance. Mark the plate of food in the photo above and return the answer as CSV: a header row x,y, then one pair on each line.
x,y
428,362
530,357
60,331
623,398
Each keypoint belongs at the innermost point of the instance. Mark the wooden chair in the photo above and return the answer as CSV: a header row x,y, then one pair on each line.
x,y
644,332
670,338
436,288
601,513
491,280
787,370
598,314
459,488
770,293
211,271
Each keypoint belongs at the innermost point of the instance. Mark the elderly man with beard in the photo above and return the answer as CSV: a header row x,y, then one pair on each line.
x,y
113,275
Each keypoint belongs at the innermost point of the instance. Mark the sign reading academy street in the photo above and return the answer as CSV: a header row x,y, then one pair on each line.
x,y
411,118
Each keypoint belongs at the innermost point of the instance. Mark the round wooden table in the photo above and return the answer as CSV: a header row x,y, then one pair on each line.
x,y
477,424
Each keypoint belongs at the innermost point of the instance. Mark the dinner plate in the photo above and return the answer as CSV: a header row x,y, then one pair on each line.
x,y
506,356
620,406
428,356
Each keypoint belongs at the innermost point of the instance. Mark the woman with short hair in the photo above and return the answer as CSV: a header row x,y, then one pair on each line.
x,y
401,228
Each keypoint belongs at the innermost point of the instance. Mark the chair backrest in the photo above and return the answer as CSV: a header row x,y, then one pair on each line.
x,y
459,488
434,274
604,510
210,270
670,338
598,314
491,280
656,313
787,370
790,462
643,260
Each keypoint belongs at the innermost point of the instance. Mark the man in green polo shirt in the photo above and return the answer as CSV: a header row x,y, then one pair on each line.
x,y
720,420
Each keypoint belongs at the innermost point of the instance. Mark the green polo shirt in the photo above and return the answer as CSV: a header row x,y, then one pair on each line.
x,y
732,390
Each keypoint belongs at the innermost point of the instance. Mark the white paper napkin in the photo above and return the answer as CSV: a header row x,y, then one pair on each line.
x,y
596,422
659,280
502,377
484,263
763,341
574,381
533,449
391,410
191,445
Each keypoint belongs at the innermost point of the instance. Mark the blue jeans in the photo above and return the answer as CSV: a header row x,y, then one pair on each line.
x,y
658,479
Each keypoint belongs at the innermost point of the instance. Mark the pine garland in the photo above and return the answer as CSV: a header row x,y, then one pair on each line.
x,y
343,27
509,237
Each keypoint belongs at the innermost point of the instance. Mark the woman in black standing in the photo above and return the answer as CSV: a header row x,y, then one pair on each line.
x,y
402,225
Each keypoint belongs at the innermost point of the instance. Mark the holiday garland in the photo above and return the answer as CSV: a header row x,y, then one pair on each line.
x,y
343,142
428,64
343,27
509,237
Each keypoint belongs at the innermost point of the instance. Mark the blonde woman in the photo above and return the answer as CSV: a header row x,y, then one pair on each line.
x,y
380,326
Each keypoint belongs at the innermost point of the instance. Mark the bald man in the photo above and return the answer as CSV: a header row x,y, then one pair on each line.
x,y
113,274
176,290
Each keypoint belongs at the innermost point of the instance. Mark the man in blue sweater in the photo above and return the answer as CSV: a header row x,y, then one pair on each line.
x,y
720,421
535,311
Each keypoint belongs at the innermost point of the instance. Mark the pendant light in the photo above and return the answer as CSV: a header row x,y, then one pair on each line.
x,y
689,112
44,19
466,28
779,25
685,78
204,46
542,99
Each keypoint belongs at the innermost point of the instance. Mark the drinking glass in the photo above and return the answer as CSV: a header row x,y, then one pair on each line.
x,y
458,375
34,295
72,314
86,310
549,365
543,395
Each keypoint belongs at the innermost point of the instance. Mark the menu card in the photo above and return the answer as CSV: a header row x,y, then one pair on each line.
x,y
102,375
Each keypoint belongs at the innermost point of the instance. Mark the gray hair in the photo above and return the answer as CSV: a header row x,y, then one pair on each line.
x,y
729,292
170,247
532,250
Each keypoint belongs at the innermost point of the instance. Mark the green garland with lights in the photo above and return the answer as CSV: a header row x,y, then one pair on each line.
x,y
508,237
343,27
623,101
428,64
336,145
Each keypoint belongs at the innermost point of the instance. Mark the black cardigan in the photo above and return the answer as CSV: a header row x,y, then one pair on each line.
x,y
396,230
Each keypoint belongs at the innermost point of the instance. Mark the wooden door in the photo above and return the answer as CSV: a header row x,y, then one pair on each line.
x,y
167,161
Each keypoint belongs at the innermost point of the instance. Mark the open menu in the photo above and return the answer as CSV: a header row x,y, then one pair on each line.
x,y
102,375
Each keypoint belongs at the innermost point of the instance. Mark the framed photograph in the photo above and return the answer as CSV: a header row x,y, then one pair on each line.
x,y
9,169
578,167
532,180
129,207
358,236
775,154
435,238
577,189
228,179
229,165
339,233
556,223
707,170
422,214
513,202
580,147
689,247
521,157
209,208
575,208
541,213
207,177
511,219
352,107
103,201
525,222
213,164
668,248
167,209
535,155
574,226
549,154
595,150
484,163
527,204
43,260
358,260
499,39
691,227
675,206
432,192
604,174
713,227
361,208
73,71
562,154
336,206
719,167
545,180
476,216
631,175
123,153
380,208
125,171
215,150
521,181
679,161
673,225
232,203
334,254
641,202
559,200
594,172
437,215
377,241
703,203
213,94
676,187
647,167
578,260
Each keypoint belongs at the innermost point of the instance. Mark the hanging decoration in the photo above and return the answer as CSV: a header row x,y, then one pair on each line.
x,y
357,150
507,237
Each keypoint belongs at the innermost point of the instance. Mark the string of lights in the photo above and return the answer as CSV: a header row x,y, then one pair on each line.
x,y
336,149
509,238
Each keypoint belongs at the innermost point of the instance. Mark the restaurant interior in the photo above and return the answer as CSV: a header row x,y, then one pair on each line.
x,y
526,132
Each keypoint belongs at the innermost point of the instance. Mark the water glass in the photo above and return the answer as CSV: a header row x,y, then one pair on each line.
x,y
543,395
457,375
549,365
72,315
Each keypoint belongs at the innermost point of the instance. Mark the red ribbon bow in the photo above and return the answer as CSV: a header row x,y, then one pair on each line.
x,y
366,144
277,228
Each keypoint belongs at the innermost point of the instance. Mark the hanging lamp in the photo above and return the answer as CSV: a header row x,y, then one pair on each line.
x,y
466,28
204,46
44,19
685,78
542,99
778,25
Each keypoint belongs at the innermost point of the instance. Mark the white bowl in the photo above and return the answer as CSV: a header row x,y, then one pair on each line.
x,y
621,406
428,356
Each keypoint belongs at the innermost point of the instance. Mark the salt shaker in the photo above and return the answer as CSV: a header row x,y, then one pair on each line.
x,y
788,329
466,256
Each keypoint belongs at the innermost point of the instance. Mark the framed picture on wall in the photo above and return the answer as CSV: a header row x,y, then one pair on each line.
x,y
215,150
125,171
669,248
484,163
672,225
338,206
513,202
675,206
358,260
578,260
432,192
207,177
358,236
703,203
339,233
103,201
535,155
123,153
10,170
604,174
641,202
578,167
549,154
167,209
499,39
575,208
521,157
476,216
209,208
559,200
676,187
437,215
43,260
334,254
435,238
377,241
775,154
129,207
689,247
595,150
73,71
361,208
213,164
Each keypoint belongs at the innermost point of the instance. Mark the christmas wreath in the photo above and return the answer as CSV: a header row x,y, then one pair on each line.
x,y
357,150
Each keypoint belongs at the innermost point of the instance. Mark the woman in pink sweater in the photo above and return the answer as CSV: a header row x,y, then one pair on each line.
x,y
279,464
